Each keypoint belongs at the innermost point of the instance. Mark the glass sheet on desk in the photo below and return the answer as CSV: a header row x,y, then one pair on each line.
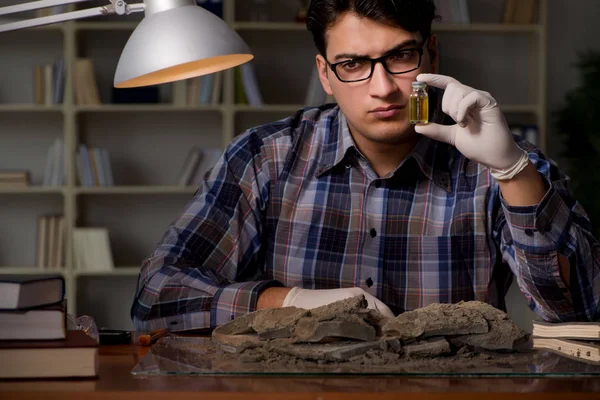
x,y
180,355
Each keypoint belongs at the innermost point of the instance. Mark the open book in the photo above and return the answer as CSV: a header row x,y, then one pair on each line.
x,y
578,350
567,330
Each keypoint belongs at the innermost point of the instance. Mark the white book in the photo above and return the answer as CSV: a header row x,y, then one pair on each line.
x,y
92,247
567,330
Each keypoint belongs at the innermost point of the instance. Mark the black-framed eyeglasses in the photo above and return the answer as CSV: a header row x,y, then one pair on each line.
x,y
361,69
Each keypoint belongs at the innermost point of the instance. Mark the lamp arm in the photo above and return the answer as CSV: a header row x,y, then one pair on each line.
x,y
118,7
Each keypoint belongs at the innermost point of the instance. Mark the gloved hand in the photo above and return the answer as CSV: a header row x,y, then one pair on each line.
x,y
306,298
481,133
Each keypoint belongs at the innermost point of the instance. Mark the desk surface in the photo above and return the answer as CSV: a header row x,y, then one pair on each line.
x,y
116,382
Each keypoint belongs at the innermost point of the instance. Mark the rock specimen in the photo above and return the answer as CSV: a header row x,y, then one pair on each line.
x,y
346,329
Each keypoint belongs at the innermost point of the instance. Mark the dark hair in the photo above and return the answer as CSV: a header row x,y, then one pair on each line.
x,y
410,15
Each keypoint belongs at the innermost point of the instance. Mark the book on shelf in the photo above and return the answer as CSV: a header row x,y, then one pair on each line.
x,y
197,164
574,349
50,241
75,356
54,172
453,11
201,90
85,85
567,330
13,178
49,82
40,323
22,291
93,167
91,249
520,11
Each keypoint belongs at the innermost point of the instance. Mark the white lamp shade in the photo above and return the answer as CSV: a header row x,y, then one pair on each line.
x,y
179,43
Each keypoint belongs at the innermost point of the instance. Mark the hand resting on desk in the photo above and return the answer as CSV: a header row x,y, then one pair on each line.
x,y
306,298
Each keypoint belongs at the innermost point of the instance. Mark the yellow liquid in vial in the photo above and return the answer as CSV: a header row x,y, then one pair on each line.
x,y
419,110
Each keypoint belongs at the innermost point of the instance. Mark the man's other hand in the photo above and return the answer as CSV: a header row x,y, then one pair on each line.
x,y
306,298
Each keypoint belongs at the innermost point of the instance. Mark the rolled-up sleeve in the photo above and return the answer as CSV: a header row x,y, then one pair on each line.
x,y
531,239
207,268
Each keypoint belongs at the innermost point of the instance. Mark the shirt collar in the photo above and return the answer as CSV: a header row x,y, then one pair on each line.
x,y
431,156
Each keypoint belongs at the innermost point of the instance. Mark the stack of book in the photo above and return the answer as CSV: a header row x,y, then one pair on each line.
x,y
14,178
34,340
575,340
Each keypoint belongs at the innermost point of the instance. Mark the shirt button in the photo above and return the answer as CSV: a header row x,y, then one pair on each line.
x,y
348,166
373,232
529,232
369,282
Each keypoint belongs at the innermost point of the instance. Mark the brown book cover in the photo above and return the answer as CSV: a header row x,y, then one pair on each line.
x,y
76,356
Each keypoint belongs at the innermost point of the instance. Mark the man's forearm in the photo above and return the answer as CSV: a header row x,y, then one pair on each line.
x,y
272,298
528,188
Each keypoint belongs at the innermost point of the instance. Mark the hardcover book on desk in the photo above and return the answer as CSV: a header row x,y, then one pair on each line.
x,y
76,356
32,307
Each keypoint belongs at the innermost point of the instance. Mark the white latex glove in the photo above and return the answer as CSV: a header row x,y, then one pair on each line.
x,y
481,133
307,298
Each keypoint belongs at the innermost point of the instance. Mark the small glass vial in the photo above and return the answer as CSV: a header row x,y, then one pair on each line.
x,y
419,104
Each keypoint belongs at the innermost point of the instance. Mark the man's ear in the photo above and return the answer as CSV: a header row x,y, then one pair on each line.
x,y
324,74
432,51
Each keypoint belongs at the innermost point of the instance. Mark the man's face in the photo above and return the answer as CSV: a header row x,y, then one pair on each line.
x,y
363,102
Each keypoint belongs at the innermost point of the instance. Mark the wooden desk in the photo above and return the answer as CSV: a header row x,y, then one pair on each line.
x,y
116,382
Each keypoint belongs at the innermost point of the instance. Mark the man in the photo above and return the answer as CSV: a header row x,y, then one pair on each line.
x,y
351,199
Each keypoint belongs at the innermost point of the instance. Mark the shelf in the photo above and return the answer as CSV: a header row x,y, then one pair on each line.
x,y
137,190
31,271
486,28
30,108
117,271
163,107
268,108
32,190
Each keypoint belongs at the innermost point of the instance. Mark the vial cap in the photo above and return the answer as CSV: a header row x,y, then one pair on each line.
x,y
419,85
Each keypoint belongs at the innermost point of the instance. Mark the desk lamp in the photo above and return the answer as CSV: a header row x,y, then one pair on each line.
x,y
176,39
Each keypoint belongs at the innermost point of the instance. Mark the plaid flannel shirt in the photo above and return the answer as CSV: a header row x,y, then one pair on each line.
x,y
294,203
